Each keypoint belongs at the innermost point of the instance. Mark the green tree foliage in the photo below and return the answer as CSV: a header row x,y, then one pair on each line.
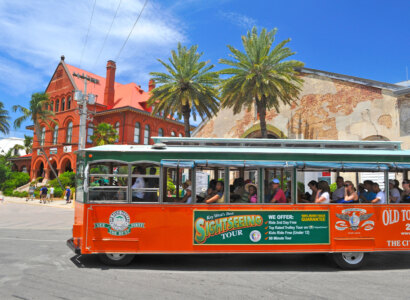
x,y
4,120
188,87
13,181
104,134
28,143
39,114
66,179
260,75
14,151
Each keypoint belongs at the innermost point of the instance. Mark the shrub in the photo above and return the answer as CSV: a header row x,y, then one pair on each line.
x,y
8,192
58,192
67,178
20,178
20,194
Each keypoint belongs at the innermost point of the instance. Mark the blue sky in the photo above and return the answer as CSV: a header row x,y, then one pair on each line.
x,y
369,39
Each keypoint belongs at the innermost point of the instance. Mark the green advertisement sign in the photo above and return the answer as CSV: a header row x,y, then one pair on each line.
x,y
261,227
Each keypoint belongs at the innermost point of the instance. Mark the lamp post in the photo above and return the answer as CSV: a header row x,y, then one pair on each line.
x,y
83,99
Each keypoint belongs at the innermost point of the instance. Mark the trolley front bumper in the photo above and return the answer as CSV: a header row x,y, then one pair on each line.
x,y
70,244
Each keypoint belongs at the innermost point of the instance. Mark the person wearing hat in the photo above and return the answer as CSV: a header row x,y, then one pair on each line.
x,y
393,192
278,194
252,192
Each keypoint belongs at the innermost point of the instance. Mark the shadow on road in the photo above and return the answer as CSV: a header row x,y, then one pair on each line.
x,y
246,262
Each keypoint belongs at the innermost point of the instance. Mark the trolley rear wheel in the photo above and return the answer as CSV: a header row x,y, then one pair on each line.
x,y
349,260
116,259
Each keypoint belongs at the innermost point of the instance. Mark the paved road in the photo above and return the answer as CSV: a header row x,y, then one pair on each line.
x,y
36,264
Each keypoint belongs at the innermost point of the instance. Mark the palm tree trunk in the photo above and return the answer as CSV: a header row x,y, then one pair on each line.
x,y
186,111
38,133
262,116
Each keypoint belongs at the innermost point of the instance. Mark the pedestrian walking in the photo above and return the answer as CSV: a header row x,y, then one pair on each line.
x,y
48,195
67,194
31,190
1,197
51,193
43,194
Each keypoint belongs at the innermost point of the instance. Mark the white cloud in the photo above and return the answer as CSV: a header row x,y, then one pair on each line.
x,y
238,19
35,33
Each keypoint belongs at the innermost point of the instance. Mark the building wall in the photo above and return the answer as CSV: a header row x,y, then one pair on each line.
x,y
61,154
327,108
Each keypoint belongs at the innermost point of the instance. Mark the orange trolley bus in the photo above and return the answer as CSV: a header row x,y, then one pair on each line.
x,y
135,199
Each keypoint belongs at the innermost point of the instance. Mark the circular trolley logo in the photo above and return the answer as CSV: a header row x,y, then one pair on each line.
x,y
119,220
119,224
255,236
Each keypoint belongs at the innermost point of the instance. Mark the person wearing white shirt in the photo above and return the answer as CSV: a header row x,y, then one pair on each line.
x,y
323,193
380,196
339,193
139,183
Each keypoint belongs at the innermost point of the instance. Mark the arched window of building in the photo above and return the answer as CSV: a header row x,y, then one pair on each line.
x,y
146,135
172,133
57,104
68,102
180,135
160,132
137,133
62,104
55,134
69,136
90,132
51,105
42,136
117,129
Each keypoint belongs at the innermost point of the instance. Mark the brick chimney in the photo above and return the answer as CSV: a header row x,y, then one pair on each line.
x,y
109,84
151,85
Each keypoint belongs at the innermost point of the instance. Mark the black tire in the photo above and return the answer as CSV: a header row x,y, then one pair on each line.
x,y
116,259
349,260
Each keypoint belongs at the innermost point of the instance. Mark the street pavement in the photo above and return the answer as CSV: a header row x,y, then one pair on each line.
x,y
35,263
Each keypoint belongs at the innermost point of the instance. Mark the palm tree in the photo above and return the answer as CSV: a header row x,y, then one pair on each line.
x,y
4,120
38,113
28,143
187,87
260,76
104,134
14,151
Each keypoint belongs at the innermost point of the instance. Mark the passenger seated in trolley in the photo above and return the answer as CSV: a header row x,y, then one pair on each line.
x,y
350,193
277,196
188,192
339,193
252,193
394,193
238,190
405,196
139,183
219,195
323,193
368,195
380,196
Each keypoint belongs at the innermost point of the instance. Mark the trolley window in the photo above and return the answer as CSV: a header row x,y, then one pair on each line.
x,y
108,182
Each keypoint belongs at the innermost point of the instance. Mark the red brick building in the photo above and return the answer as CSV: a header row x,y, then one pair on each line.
x,y
122,105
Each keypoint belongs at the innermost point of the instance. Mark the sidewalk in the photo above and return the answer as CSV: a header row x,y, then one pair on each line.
x,y
57,202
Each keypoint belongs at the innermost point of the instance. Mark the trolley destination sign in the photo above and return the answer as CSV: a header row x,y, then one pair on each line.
x,y
238,227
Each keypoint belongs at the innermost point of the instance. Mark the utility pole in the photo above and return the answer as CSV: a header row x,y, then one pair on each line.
x,y
83,99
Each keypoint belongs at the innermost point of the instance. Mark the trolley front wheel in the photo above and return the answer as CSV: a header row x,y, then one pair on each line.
x,y
116,259
349,260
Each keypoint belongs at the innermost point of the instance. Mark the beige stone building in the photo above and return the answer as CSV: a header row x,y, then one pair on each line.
x,y
330,107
